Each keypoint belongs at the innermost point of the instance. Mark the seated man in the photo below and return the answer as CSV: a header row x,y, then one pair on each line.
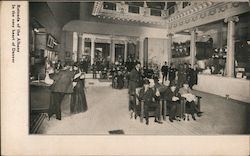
x,y
158,88
147,94
173,98
187,93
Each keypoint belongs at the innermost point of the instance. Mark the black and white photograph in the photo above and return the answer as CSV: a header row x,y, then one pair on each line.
x,y
139,68
128,77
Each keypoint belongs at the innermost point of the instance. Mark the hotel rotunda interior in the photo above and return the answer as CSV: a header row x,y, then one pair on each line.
x,y
139,68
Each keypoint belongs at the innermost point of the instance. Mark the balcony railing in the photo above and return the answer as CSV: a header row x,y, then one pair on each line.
x,y
144,11
155,12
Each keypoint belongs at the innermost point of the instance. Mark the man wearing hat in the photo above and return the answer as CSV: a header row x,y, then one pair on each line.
x,y
173,99
147,94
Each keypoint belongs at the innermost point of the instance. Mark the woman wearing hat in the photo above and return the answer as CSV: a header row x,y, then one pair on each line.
x,y
78,101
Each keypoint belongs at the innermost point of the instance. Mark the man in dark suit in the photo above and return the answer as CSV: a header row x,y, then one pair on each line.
x,y
172,73
164,71
173,99
149,96
62,85
134,79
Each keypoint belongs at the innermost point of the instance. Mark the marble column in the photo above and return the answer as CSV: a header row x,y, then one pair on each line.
x,y
169,52
83,46
166,5
112,51
92,53
192,46
79,47
141,50
75,46
125,51
230,45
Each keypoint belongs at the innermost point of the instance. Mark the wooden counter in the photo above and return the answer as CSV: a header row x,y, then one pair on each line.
x,y
39,96
238,89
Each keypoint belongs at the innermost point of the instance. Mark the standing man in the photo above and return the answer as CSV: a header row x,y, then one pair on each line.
x,y
164,71
134,79
62,85
172,73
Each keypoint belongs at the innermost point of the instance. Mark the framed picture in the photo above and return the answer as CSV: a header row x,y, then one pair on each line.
x,y
50,41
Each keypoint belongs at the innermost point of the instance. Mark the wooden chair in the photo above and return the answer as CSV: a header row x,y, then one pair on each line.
x,y
184,110
166,109
139,108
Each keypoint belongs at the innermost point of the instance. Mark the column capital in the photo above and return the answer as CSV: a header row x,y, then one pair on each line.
x,y
83,36
141,38
231,19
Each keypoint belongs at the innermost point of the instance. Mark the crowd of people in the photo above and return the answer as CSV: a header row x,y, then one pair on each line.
x,y
176,83
180,82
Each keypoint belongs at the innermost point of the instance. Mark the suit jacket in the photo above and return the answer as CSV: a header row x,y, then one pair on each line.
x,y
63,82
146,96
172,72
168,94
134,75
164,69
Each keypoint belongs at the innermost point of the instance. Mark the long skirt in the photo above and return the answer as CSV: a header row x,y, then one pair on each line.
x,y
78,100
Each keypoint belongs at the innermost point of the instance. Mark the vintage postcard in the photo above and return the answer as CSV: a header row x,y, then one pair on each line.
x,y
125,77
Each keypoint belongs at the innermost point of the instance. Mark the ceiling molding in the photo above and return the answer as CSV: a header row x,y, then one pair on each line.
x,y
196,14
215,12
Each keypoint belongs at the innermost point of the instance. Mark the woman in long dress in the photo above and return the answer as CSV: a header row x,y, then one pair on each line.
x,y
78,101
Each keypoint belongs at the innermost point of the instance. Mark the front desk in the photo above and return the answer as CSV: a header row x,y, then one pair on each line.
x,y
39,96
238,89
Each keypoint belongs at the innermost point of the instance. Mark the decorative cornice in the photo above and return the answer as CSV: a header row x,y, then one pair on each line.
x,y
217,11
198,13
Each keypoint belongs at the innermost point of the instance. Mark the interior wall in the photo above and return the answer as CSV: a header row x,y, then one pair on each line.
x,y
42,13
157,50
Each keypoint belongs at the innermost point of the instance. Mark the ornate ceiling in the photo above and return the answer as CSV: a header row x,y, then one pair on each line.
x,y
175,16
